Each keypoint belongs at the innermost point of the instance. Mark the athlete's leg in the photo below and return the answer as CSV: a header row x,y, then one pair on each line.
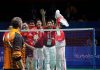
x,y
40,58
52,57
35,59
46,58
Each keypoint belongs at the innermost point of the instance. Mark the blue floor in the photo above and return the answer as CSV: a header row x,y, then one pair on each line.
x,y
82,69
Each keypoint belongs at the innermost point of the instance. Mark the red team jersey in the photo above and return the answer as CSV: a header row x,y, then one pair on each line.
x,y
38,38
28,37
61,37
49,37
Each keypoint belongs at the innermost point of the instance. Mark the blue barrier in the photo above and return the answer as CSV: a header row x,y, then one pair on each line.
x,y
82,57
76,57
1,57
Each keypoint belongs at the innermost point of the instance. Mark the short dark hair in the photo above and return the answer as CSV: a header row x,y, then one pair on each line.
x,y
49,20
16,22
38,19
32,21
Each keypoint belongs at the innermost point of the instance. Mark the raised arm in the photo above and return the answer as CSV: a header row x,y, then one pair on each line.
x,y
43,16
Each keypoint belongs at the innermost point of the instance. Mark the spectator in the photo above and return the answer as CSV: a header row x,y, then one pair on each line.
x,y
71,12
82,18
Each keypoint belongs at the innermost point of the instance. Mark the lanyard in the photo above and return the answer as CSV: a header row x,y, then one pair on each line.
x,y
49,34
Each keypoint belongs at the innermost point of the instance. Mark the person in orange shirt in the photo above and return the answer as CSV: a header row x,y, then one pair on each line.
x,y
15,42
7,52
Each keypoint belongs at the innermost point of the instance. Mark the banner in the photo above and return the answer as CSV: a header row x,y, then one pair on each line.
x,y
82,57
75,56
1,57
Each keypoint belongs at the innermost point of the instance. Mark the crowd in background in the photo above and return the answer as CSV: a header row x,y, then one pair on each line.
x,y
72,10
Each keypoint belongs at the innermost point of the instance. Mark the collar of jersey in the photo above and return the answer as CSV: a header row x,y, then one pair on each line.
x,y
15,30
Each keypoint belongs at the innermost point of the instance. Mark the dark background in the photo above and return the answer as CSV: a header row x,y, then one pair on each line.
x,y
29,9
23,8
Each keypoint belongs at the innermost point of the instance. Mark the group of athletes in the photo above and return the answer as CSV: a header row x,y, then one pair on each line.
x,y
45,50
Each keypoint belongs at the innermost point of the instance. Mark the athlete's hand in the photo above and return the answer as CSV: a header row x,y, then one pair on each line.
x,y
42,12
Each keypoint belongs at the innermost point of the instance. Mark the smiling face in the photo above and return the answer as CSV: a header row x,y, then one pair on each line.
x,y
31,24
24,26
49,23
39,23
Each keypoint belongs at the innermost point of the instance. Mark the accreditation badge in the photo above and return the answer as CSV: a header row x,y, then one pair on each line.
x,y
49,42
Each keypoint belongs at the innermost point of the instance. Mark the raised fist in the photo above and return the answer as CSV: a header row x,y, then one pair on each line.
x,y
42,12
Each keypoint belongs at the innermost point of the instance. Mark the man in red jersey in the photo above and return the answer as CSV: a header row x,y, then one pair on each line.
x,y
49,44
38,47
28,37
60,51
49,47
60,42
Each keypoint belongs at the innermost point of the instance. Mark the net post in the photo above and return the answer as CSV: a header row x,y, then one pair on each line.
x,y
94,50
